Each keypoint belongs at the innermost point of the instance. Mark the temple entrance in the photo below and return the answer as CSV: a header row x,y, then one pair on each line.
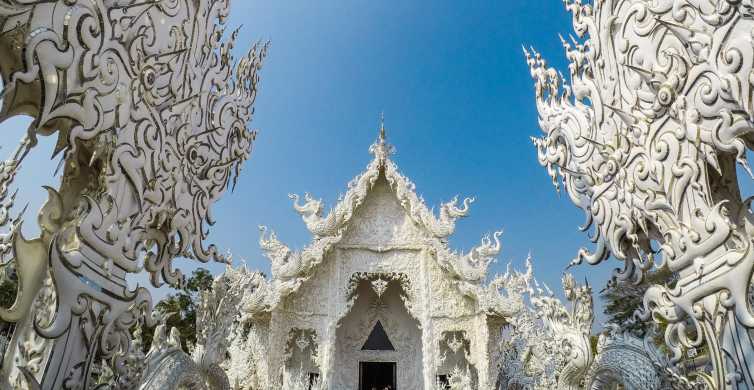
x,y
377,375
378,343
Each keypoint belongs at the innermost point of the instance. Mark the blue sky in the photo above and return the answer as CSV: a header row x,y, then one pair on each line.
x,y
458,103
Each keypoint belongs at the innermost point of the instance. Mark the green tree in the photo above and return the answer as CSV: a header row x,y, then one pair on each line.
x,y
8,287
183,304
622,299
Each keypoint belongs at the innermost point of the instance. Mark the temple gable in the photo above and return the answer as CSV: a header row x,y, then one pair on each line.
x,y
381,222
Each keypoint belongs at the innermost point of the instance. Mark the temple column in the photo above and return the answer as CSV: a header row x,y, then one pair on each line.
x,y
482,355
277,347
429,353
336,303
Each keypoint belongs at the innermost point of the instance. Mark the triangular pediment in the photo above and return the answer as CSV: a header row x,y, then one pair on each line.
x,y
381,221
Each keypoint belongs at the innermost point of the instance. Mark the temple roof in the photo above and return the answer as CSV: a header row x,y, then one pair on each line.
x,y
339,216
290,269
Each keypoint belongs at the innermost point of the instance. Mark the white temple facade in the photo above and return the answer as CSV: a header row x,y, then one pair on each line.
x,y
377,298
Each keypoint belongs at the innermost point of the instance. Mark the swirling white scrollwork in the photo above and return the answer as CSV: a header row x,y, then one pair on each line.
x,y
151,116
646,138
546,345
217,319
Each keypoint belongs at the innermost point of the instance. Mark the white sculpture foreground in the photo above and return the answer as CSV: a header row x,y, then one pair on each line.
x,y
151,117
150,113
646,138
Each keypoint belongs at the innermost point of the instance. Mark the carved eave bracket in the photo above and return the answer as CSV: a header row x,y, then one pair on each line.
x,y
471,266
503,296
442,226
288,264
337,219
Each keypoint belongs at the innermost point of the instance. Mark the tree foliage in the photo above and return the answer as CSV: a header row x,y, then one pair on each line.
x,y
8,288
622,299
183,304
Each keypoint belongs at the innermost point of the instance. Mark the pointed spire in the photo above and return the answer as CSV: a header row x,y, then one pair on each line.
x,y
381,149
382,127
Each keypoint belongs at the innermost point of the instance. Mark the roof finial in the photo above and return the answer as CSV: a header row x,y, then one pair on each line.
x,y
382,126
380,148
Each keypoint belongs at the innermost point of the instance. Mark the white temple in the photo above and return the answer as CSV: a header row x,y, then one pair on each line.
x,y
150,110
377,298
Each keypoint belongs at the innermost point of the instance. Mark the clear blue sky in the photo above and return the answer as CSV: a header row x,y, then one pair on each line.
x,y
458,103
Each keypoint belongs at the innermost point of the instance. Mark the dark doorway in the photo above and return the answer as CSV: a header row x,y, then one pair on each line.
x,y
377,375
443,382
313,379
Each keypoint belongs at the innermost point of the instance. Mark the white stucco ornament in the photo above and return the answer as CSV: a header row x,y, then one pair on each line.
x,y
378,260
150,111
646,135
379,286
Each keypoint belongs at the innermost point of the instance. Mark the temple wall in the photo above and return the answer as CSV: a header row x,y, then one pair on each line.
x,y
446,301
307,309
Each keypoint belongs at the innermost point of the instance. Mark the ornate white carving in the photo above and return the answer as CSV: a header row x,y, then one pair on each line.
x,y
627,360
379,286
646,138
458,379
570,329
341,214
246,368
546,345
216,317
302,342
471,266
455,344
150,111
27,349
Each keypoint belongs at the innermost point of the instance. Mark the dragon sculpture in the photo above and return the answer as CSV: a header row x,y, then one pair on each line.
x,y
569,329
646,137
546,345
150,112
471,266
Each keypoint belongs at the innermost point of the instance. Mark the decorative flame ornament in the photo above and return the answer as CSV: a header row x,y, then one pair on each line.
x,y
150,112
379,286
645,138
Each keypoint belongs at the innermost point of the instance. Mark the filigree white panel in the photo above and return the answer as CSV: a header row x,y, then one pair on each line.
x,y
150,111
645,136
